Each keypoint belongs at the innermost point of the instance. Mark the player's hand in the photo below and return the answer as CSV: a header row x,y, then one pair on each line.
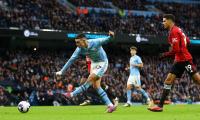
x,y
58,75
127,68
111,33
134,65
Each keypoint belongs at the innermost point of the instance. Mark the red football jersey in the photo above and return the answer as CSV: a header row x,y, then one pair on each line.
x,y
178,42
88,62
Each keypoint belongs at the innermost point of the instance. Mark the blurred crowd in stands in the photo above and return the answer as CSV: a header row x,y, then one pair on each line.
x,y
49,14
130,4
29,75
90,3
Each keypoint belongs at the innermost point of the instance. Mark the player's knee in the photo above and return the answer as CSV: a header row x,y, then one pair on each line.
x,y
95,86
129,87
83,80
196,78
93,77
138,87
169,80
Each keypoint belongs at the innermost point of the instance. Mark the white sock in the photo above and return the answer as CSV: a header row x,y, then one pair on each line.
x,y
71,94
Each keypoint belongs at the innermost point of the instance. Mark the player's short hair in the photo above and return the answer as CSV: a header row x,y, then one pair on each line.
x,y
169,17
133,48
81,35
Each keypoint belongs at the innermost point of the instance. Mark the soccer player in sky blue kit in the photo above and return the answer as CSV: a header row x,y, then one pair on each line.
x,y
134,78
99,64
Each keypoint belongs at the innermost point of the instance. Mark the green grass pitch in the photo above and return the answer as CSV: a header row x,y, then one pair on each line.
x,y
139,112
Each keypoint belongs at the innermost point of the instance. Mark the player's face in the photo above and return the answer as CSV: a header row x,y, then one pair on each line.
x,y
133,52
80,42
166,23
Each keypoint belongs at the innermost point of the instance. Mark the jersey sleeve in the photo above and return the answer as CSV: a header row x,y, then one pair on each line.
x,y
188,40
100,41
139,60
74,56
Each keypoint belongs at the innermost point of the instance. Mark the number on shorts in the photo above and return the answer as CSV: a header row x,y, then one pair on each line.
x,y
189,68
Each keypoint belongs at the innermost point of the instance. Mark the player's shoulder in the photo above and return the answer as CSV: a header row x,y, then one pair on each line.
x,y
91,42
176,29
138,57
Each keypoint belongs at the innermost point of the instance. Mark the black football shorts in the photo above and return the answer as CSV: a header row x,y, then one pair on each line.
x,y
178,68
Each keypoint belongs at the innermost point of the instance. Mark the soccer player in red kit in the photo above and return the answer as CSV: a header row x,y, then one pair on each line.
x,y
84,78
88,62
183,59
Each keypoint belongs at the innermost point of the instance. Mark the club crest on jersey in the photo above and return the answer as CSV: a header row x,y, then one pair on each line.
x,y
98,66
174,40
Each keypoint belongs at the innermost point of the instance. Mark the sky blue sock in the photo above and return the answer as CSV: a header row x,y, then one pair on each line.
x,y
104,96
144,93
128,94
81,89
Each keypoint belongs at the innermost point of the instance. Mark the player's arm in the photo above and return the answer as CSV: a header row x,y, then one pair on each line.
x,y
139,63
177,44
100,41
188,41
170,53
74,56
175,47
127,67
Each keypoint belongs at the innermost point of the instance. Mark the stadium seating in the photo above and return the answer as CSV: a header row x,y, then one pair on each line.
x,y
29,75
89,3
53,15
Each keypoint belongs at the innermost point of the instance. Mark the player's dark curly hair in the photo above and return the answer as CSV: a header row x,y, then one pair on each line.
x,y
169,17
81,35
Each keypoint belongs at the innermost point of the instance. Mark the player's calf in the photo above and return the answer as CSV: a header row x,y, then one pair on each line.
x,y
81,89
196,78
